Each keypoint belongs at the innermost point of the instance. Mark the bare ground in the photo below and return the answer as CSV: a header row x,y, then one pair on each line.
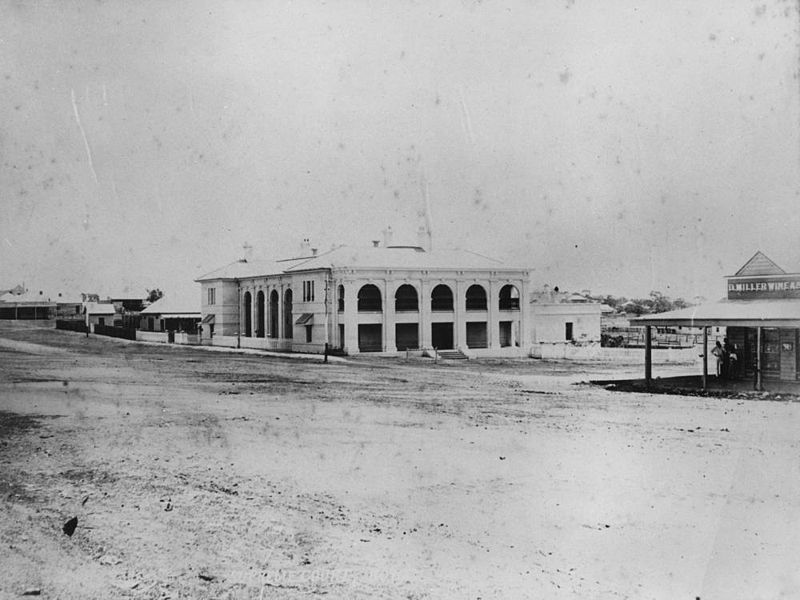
x,y
199,474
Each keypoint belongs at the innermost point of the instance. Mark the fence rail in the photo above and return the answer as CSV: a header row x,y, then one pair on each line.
x,y
634,337
117,332
71,325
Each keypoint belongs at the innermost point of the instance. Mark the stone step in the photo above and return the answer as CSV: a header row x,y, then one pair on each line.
x,y
452,355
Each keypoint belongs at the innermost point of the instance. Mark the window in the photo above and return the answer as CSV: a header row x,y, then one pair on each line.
x,y
341,298
308,291
476,298
568,332
212,295
509,298
369,298
405,299
441,298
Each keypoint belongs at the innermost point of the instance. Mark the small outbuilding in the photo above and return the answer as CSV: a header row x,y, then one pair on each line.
x,y
99,313
559,317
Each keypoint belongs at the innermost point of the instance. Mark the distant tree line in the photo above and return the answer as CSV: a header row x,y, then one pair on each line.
x,y
656,302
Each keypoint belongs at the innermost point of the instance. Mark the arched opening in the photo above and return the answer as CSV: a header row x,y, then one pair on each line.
x,y
369,298
340,298
476,297
509,297
405,299
442,298
273,314
248,316
288,324
260,310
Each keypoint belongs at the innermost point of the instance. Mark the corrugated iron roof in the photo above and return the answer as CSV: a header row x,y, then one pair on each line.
x,y
170,304
399,257
241,269
100,308
729,312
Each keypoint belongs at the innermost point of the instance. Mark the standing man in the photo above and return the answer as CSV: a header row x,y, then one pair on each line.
x,y
718,354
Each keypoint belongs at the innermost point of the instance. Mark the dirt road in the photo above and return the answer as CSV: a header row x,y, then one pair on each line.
x,y
197,474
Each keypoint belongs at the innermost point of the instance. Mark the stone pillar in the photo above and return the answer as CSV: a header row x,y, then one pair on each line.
x,y
460,306
493,313
425,313
280,312
524,316
350,316
389,333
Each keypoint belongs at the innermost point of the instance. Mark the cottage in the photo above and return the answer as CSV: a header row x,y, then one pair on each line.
x,y
99,313
170,318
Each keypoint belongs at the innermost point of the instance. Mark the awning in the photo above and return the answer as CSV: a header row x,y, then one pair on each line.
x,y
304,319
183,316
208,319
729,313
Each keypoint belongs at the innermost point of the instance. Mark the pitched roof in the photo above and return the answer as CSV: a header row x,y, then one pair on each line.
x,y
247,268
728,312
174,304
382,257
398,257
100,308
759,264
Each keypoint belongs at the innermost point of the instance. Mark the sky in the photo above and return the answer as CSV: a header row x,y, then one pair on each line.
x,y
610,145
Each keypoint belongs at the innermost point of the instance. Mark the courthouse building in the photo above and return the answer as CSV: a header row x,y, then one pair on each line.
x,y
761,317
383,298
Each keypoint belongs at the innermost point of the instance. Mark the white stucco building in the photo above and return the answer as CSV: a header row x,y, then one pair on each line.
x,y
564,318
374,299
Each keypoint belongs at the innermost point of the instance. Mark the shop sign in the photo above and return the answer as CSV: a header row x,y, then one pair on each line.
x,y
750,289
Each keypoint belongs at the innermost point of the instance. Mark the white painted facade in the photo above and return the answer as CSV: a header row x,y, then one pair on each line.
x,y
361,300
566,322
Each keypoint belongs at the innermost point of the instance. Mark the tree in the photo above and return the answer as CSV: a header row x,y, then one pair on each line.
x,y
153,295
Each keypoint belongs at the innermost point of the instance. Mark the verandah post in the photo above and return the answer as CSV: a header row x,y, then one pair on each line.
x,y
648,356
705,357
759,385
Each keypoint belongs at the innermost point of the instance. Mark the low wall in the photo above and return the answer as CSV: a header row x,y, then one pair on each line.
x,y
187,338
231,341
152,336
627,355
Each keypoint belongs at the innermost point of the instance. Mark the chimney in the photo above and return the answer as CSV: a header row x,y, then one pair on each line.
x,y
247,252
313,252
376,243
424,238
388,234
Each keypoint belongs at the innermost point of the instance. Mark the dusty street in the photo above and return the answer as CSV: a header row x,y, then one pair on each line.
x,y
198,474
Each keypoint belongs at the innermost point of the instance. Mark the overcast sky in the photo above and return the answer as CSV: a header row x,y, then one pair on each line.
x,y
619,146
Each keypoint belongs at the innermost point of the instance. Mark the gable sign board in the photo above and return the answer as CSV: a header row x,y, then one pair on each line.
x,y
760,288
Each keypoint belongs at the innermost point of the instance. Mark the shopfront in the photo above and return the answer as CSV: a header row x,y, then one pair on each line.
x,y
761,317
